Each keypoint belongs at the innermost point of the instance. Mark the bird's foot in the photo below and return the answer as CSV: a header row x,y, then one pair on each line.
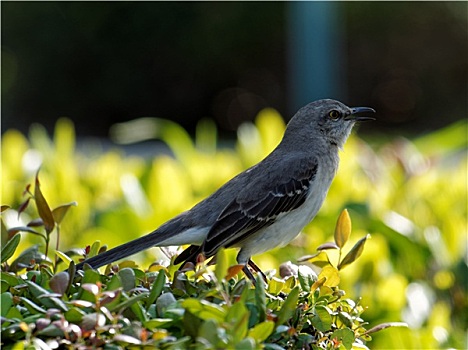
x,y
255,268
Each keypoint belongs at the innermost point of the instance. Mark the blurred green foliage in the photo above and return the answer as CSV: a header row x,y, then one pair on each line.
x,y
410,195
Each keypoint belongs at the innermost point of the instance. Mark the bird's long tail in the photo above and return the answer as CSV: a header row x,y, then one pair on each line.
x,y
124,250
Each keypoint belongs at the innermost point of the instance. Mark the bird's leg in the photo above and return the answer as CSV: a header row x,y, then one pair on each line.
x,y
257,270
249,274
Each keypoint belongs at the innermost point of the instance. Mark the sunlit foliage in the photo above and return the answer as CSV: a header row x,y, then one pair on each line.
x,y
410,195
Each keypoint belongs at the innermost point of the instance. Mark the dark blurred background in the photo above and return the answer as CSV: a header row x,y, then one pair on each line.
x,y
99,63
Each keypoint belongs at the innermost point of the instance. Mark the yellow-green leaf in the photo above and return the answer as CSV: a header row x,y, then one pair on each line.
x,y
261,331
204,309
64,257
318,284
59,212
342,229
275,286
354,253
320,259
332,276
94,250
42,207
221,268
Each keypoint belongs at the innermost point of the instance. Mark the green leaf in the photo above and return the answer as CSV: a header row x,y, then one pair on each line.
x,y
139,311
260,332
74,315
14,313
192,324
127,276
342,229
12,280
59,212
94,250
204,309
114,283
42,207
208,331
245,344
288,307
346,319
33,307
45,297
4,286
260,298
320,259
156,288
345,336
354,253
159,323
91,276
6,301
238,317
10,247
25,258
322,320
164,302
128,302
307,277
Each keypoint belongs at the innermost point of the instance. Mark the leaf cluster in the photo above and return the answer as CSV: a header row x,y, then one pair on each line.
x,y
167,308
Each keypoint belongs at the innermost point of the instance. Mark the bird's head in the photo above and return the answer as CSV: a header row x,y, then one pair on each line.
x,y
328,119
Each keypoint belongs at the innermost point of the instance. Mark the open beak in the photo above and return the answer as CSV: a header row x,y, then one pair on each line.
x,y
357,114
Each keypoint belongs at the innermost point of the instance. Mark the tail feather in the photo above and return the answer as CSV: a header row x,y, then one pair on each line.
x,y
124,250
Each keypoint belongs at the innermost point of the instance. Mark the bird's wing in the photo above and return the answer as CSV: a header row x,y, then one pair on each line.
x,y
246,215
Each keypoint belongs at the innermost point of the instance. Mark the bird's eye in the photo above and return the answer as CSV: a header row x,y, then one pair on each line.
x,y
334,114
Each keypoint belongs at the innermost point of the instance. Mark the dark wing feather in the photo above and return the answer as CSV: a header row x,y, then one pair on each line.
x,y
243,218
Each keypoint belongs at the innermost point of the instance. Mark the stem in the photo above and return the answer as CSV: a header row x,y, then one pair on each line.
x,y
339,257
47,239
58,237
57,227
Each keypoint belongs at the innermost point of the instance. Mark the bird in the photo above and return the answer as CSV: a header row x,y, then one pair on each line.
x,y
265,206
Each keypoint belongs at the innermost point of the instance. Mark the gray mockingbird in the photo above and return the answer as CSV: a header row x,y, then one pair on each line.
x,y
267,205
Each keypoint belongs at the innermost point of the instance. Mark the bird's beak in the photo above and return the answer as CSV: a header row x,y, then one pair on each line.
x,y
356,114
